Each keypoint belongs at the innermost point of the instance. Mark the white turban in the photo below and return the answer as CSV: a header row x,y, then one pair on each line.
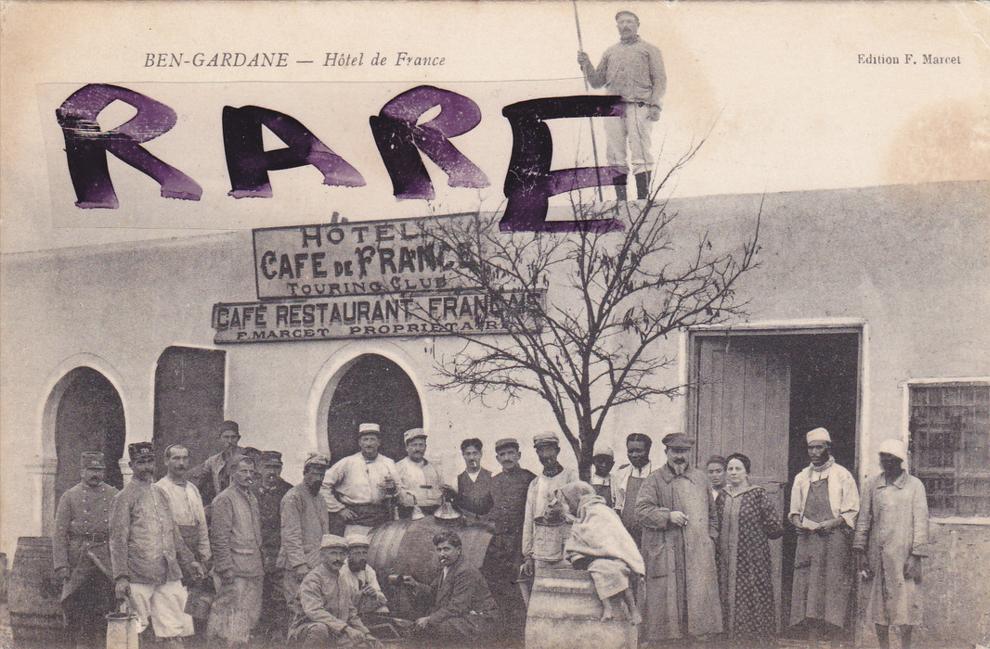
x,y
894,447
818,435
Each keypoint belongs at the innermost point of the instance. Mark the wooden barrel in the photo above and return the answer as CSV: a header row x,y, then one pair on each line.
x,y
33,595
405,547
564,607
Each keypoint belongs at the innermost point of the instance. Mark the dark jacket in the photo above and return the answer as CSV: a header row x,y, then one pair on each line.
x,y
462,605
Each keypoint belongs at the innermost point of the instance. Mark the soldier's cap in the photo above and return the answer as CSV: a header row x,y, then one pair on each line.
x,y
271,458
369,429
140,450
604,450
506,441
548,437
818,435
627,13
412,434
893,447
357,541
318,460
92,460
251,452
229,425
678,441
333,541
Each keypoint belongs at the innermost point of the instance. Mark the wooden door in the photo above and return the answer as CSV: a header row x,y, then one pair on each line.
x,y
742,404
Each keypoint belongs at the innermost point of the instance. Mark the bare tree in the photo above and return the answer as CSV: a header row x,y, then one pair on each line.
x,y
594,343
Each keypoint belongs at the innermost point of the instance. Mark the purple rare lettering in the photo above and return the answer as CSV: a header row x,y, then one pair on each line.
x,y
86,145
400,138
248,163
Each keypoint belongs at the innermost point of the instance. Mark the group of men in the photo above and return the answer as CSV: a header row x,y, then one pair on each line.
x,y
300,552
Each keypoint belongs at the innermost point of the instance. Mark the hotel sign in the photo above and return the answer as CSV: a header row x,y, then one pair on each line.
x,y
369,316
346,259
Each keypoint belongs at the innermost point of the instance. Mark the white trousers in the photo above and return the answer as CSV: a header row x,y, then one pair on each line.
x,y
634,129
165,604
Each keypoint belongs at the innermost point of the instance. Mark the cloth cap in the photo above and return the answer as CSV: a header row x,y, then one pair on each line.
x,y
92,460
627,13
230,425
140,450
369,429
678,441
893,447
818,435
333,541
271,458
604,450
251,452
357,541
506,441
412,434
317,459
548,437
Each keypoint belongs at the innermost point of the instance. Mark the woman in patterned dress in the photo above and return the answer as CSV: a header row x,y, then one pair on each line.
x,y
747,521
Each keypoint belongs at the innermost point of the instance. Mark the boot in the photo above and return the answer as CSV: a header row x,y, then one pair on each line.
x,y
642,185
620,188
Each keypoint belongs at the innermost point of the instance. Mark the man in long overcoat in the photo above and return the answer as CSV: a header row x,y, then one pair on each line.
x,y
81,553
304,523
674,512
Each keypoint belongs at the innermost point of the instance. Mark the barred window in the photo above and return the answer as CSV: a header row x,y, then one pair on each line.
x,y
950,435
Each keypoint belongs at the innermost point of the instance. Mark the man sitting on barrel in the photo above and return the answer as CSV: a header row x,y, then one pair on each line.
x,y
462,610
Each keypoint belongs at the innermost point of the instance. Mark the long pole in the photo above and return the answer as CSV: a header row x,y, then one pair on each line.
x,y
591,123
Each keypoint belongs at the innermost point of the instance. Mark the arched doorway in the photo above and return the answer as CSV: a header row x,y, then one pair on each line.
x,y
89,417
371,388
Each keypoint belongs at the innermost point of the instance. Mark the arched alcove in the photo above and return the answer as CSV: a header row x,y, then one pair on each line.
x,y
371,388
89,416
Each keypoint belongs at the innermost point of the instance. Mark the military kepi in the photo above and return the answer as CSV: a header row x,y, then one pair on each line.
x,y
318,460
546,438
333,541
506,441
92,460
230,425
271,458
678,441
369,429
140,450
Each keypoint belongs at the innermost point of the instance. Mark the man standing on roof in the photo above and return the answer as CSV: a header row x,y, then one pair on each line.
x,y
632,69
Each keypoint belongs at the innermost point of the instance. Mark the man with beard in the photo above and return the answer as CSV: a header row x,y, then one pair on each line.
x,y
462,611
508,513
362,485
325,615
212,476
539,495
81,554
678,523
147,555
187,514
304,523
270,491
236,537
632,69
890,542
627,480
369,599
419,481
824,506
601,479
474,484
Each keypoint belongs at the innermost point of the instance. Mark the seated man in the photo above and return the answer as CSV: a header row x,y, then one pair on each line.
x,y
361,578
600,544
462,610
326,616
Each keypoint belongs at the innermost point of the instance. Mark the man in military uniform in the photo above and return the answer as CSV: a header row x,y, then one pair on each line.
x,y
270,493
81,554
147,554
304,522
213,475
361,578
420,484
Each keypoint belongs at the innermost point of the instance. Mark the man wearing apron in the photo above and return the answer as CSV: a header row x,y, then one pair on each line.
x,y
359,489
189,517
81,554
419,481
824,507
627,479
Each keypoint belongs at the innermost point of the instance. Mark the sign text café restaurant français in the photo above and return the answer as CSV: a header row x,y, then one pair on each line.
x,y
336,281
